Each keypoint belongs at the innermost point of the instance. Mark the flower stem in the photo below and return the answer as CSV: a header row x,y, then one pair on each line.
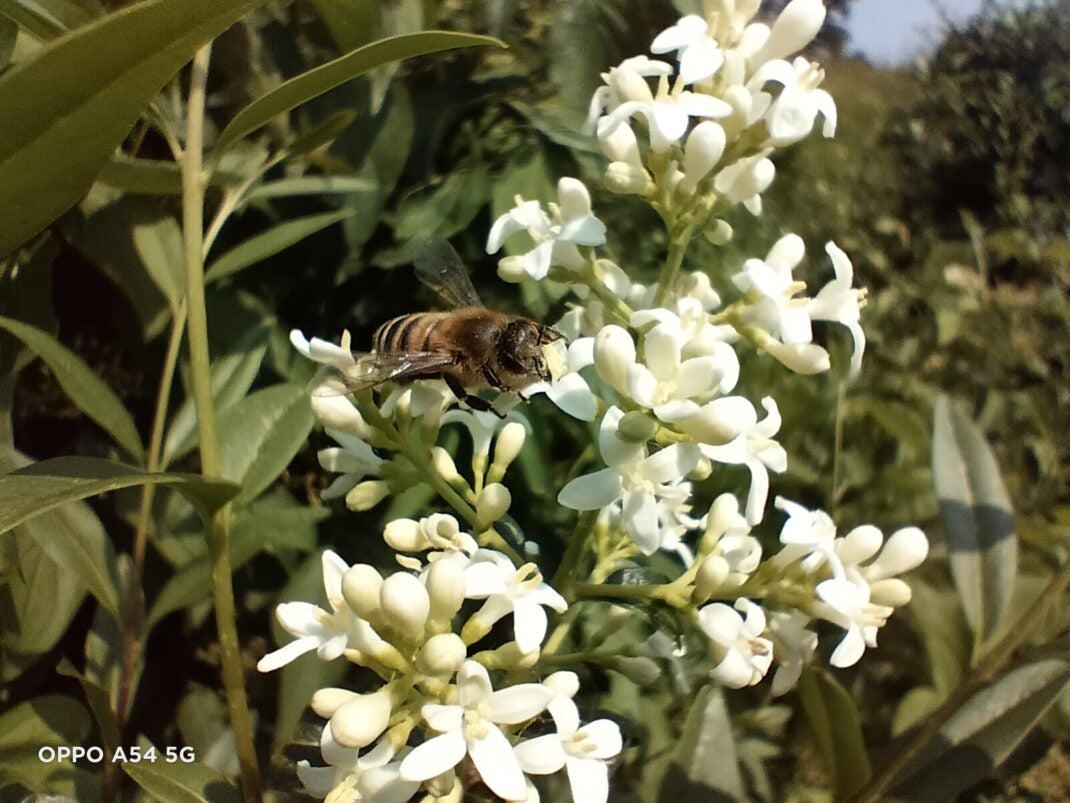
x,y
680,238
211,466
984,672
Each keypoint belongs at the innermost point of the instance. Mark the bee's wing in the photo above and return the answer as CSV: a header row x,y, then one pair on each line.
x,y
439,267
373,368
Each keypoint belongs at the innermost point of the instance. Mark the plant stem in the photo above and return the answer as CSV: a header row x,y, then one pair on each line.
x,y
837,451
986,670
211,466
678,242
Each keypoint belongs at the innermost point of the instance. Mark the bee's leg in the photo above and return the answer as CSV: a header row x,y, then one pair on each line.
x,y
474,402
493,379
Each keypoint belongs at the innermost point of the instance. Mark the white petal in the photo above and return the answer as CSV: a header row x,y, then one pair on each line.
x,y
642,385
518,704
473,684
701,105
849,650
434,757
443,718
720,623
758,493
333,569
300,619
482,580
605,734
587,230
572,395
282,656
529,624
589,779
696,376
542,755
700,60
671,463
318,781
641,519
564,713
498,765
591,491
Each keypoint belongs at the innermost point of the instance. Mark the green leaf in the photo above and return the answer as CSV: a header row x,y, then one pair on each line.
x,y
88,391
977,516
49,720
309,185
182,783
68,110
153,177
99,704
48,484
705,765
103,648
984,732
9,32
261,434
269,243
323,132
318,80
836,726
159,245
233,374
47,19
204,724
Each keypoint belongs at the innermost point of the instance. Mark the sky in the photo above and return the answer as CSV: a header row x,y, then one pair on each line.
x,y
893,32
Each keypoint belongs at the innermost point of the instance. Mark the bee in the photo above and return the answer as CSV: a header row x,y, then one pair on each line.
x,y
470,347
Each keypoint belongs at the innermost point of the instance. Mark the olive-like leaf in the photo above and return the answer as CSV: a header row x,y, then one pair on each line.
x,y
261,434
9,32
67,110
99,704
179,782
309,185
48,484
270,242
88,391
315,82
323,132
159,244
836,726
48,19
984,732
48,720
977,517
705,763
153,177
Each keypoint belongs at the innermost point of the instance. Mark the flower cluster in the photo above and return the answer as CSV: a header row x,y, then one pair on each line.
x,y
457,636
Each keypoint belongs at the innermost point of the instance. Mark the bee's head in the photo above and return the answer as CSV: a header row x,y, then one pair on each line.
x,y
520,351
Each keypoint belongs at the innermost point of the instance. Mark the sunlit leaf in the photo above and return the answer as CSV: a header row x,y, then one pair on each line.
x,y
159,244
47,19
705,764
48,484
318,80
977,517
49,720
88,391
178,782
68,109
268,243
309,185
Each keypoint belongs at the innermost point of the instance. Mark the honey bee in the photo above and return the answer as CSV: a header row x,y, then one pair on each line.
x,y
470,347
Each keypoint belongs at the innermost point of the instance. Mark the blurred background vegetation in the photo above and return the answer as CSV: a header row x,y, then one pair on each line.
x,y
948,185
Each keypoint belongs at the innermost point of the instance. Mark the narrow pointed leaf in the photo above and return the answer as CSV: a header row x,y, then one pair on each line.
x,y
44,486
705,763
837,729
182,783
52,720
67,110
977,516
984,732
88,391
315,82
270,242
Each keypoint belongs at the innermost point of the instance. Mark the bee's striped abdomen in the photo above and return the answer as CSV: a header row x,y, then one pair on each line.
x,y
410,332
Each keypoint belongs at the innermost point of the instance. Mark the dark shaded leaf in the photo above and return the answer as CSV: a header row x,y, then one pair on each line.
x,y
99,704
49,720
323,133
47,19
309,185
67,110
88,391
152,177
836,726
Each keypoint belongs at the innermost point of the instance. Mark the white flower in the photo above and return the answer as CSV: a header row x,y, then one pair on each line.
x,y
839,302
775,308
624,83
634,479
353,459
808,536
315,628
736,641
507,589
753,447
793,646
793,30
667,112
698,53
743,182
555,239
470,727
323,351
569,391
352,777
582,751
845,602
439,531
791,116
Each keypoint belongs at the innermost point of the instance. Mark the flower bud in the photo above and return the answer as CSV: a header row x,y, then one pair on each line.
x,y
794,29
367,495
508,444
905,550
370,643
493,503
786,253
752,179
563,683
806,358
360,587
620,145
636,427
445,589
702,470
640,670
718,233
704,148
573,198
441,655
509,656
405,604
859,545
614,354
711,576
326,701
404,535
626,179
335,411
891,592
360,721
511,269
443,465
